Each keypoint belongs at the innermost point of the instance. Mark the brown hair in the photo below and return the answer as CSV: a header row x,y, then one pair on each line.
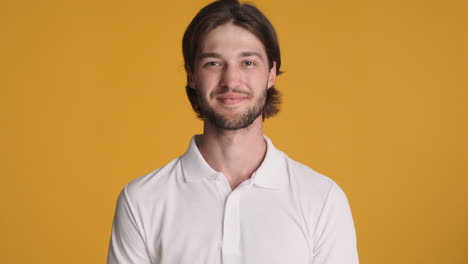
x,y
243,15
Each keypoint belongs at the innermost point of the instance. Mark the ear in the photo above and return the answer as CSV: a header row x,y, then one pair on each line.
x,y
272,75
190,80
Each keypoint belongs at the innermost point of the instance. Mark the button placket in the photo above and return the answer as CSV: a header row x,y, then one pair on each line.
x,y
230,245
223,192
231,225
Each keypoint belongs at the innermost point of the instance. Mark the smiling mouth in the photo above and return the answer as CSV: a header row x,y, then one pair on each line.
x,y
232,98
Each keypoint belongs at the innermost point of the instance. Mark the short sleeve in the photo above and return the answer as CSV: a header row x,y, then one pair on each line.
x,y
335,236
127,244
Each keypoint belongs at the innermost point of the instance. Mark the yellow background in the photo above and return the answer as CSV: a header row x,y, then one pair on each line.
x,y
375,96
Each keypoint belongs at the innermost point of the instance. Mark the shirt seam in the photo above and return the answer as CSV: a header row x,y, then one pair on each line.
x,y
301,209
132,210
321,213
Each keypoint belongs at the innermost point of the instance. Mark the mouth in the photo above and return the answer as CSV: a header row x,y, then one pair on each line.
x,y
231,99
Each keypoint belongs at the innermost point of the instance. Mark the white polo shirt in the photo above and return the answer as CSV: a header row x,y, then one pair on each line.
x,y
186,213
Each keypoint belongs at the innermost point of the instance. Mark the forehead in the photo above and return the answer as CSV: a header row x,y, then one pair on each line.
x,y
230,39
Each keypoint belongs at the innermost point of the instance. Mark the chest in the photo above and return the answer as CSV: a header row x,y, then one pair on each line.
x,y
209,223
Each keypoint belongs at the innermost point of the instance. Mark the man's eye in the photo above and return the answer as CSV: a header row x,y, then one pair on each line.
x,y
213,63
249,63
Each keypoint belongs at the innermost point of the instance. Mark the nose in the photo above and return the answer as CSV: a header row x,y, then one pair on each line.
x,y
231,77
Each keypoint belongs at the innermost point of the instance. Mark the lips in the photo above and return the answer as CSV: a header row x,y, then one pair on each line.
x,y
231,98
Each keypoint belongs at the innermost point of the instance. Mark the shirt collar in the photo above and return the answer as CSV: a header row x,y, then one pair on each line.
x,y
271,174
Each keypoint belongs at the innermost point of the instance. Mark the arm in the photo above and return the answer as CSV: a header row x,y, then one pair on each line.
x,y
334,236
127,244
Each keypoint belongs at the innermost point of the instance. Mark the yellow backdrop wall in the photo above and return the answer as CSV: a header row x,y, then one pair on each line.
x,y
375,96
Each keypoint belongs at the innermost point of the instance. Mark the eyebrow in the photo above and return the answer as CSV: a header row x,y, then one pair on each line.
x,y
250,54
209,55
217,55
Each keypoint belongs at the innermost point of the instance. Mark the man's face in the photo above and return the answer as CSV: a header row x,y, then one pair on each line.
x,y
231,76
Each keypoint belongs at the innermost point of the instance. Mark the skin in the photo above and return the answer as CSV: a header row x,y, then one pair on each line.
x,y
231,75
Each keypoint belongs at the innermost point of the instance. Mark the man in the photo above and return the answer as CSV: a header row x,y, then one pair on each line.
x,y
232,197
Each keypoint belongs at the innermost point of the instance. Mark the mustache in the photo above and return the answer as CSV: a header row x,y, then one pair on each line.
x,y
234,90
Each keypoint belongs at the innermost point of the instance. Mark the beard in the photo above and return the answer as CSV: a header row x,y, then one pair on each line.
x,y
235,121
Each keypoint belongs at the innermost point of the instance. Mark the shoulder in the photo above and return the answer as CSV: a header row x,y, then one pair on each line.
x,y
320,196
311,186
152,185
308,178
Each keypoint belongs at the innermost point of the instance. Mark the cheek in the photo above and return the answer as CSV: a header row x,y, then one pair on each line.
x,y
206,86
258,78
206,80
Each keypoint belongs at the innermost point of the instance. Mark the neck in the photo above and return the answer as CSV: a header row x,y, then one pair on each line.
x,y
235,153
